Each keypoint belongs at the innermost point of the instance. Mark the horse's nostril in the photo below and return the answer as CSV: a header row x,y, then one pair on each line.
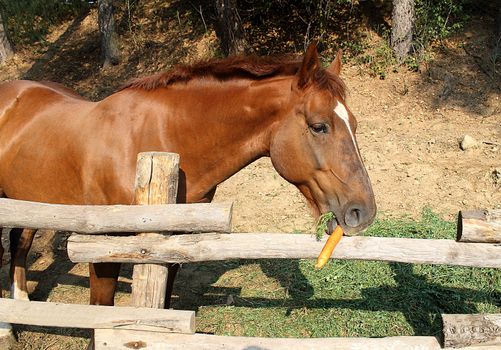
x,y
354,216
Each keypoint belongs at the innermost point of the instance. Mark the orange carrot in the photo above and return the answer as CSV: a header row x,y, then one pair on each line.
x,y
329,246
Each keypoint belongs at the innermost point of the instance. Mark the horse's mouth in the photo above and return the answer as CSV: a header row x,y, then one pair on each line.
x,y
331,225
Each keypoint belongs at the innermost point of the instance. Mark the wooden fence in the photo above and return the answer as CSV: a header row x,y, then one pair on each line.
x,y
148,326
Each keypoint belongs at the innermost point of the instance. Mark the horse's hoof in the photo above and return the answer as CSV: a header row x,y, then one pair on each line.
x,y
18,294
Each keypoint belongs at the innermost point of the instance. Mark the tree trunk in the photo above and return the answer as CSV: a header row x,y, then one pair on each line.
x,y
497,31
5,46
109,49
230,31
403,18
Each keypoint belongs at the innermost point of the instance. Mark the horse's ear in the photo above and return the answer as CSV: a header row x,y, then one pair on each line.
x,y
309,66
335,66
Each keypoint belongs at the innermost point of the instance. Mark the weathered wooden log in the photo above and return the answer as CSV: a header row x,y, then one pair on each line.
x,y
213,246
125,340
481,226
156,183
465,330
96,317
94,219
110,339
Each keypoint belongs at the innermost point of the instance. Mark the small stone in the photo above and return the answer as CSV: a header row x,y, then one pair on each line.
x,y
496,176
468,142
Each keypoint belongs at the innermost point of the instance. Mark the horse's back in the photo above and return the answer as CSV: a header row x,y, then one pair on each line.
x,y
38,95
16,86
9,93
23,102
40,149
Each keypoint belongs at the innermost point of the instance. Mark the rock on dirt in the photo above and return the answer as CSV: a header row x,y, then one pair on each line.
x,y
468,142
496,176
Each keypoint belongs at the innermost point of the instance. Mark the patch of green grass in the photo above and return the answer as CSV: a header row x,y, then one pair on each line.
x,y
289,298
430,225
321,228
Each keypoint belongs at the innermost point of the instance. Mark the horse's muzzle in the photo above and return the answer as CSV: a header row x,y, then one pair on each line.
x,y
357,217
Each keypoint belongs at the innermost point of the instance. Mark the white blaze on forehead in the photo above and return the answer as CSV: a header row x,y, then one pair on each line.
x,y
342,113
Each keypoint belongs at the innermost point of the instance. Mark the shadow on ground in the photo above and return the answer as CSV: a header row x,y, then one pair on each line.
x,y
420,301
473,81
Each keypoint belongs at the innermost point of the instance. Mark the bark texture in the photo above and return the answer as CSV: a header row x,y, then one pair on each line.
x,y
498,22
497,31
229,29
6,50
109,46
403,18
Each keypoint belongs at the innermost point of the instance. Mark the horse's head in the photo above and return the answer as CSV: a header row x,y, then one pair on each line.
x,y
314,146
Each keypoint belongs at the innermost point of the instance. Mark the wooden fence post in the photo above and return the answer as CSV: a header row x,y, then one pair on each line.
x,y
156,183
466,330
479,226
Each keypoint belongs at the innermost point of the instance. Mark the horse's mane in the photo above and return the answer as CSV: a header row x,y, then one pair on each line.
x,y
246,67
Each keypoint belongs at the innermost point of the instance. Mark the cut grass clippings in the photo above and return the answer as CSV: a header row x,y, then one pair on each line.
x,y
289,298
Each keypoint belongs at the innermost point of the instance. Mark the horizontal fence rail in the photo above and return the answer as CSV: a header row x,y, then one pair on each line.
x,y
95,219
96,317
121,340
213,246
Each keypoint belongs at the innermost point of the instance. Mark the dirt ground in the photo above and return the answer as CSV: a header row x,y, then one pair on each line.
x,y
410,127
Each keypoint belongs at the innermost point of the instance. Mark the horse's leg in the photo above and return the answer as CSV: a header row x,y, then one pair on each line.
x,y
20,244
7,339
1,261
171,275
103,283
1,249
6,336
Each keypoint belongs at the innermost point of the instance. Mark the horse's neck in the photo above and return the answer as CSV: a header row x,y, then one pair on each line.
x,y
225,128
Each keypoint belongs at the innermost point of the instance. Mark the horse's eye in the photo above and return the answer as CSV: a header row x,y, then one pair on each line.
x,y
319,128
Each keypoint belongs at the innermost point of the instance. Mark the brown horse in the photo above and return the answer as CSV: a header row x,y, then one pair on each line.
x,y
219,116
